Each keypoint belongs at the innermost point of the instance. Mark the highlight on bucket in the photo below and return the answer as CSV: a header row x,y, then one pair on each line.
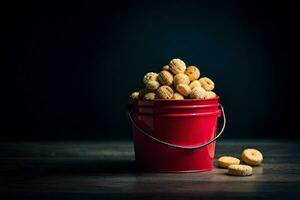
x,y
174,120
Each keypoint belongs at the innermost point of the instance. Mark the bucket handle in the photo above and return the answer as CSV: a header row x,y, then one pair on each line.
x,y
178,146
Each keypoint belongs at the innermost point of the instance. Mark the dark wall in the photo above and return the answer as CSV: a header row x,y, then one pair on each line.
x,y
69,67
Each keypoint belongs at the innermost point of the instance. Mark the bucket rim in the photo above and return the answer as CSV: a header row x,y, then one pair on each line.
x,y
174,100
193,114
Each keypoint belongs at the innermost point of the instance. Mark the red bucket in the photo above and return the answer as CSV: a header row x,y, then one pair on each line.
x,y
175,135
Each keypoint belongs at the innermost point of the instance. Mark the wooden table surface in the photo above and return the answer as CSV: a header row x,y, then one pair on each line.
x,y
98,170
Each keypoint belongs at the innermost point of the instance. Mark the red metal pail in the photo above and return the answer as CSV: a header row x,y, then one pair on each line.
x,y
175,135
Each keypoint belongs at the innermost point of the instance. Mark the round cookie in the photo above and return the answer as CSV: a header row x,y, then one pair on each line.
x,y
142,92
150,96
177,66
152,85
195,83
210,95
150,76
252,157
134,95
181,79
225,161
177,96
183,89
192,72
165,78
198,93
166,67
207,84
239,170
164,92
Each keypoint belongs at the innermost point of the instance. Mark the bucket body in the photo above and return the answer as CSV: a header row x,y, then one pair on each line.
x,y
186,123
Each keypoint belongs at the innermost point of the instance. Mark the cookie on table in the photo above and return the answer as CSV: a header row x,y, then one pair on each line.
x,y
239,170
252,157
225,161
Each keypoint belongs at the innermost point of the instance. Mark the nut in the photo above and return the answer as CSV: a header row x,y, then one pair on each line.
x,y
177,66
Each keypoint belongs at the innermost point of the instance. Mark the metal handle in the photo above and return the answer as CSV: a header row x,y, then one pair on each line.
x,y
178,146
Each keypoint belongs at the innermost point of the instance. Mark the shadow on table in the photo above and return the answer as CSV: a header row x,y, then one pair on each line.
x,y
68,167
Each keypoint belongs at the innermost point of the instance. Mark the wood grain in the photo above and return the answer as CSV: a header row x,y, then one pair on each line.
x,y
106,170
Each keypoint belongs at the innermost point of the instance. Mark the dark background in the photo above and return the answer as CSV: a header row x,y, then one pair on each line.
x,y
69,67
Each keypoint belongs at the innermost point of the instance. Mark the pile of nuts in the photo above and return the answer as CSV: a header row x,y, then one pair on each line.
x,y
176,82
